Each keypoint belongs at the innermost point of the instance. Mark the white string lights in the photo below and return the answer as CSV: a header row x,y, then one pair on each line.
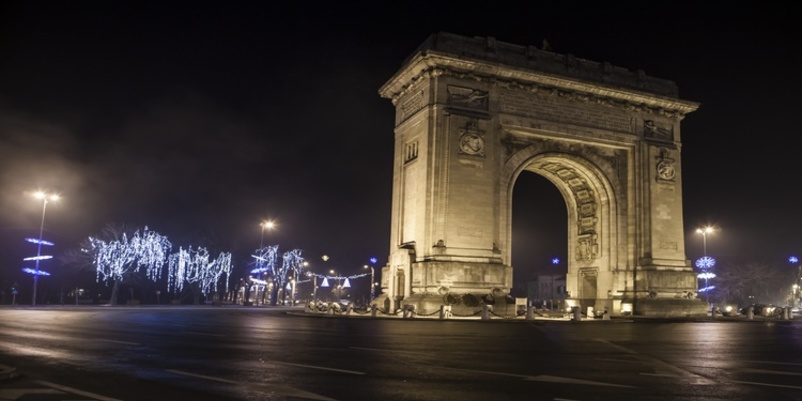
x,y
114,260
118,259
193,266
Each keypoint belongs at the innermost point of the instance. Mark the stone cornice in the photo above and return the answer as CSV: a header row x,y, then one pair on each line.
x,y
430,64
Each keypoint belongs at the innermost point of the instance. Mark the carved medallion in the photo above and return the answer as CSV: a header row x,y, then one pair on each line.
x,y
472,144
665,166
665,170
471,140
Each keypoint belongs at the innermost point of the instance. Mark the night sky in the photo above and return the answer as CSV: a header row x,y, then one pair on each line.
x,y
200,119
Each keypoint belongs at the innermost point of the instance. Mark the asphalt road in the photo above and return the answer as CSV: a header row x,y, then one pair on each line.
x,y
241,353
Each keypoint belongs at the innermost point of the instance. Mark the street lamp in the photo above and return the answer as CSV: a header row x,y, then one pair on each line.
x,y
372,284
339,288
797,280
706,262
268,225
704,231
44,197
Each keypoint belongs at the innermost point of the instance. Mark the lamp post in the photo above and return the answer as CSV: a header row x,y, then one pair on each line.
x,y
372,284
44,197
704,231
338,290
706,262
314,286
795,287
268,225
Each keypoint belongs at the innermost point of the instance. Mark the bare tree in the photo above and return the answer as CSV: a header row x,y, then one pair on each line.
x,y
751,283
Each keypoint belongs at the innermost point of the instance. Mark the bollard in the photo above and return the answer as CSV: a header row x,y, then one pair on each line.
x,y
373,309
485,312
348,309
606,315
577,314
445,312
786,313
750,313
407,311
530,312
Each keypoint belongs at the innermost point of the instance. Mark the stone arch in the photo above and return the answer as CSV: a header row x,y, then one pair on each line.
x,y
472,114
591,209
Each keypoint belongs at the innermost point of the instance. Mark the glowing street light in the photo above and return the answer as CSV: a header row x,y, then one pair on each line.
x,y
44,197
372,273
269,225
339,288
704,231
706,262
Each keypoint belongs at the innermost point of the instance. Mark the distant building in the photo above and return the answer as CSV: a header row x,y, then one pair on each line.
x,y
547,292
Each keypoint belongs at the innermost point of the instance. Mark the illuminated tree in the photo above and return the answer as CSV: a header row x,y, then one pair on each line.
x,y
291,266
266,262
194,268
120,259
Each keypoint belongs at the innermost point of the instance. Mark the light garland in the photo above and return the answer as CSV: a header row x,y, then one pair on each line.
x,y
114,260
323,276
190,267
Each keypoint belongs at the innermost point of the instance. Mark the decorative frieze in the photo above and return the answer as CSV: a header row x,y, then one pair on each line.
x,y
527,105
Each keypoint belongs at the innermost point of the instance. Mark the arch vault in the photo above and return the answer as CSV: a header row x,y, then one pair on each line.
x,y
472,114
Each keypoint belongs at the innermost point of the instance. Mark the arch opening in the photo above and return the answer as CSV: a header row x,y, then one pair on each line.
x,y
539,241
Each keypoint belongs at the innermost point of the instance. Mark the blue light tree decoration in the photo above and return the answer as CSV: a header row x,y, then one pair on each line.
x,y
36,272
39,242
706,263
37,258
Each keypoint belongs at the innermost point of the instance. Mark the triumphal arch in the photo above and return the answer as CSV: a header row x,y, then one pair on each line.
x,y
472,114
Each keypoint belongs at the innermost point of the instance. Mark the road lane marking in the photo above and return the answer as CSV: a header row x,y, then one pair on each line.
x,y
541,378
767,384
776,363
392,350
770,372
662,369
618,360
17,393
278,388
568,380
116,341
320,368
76,391
203,334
